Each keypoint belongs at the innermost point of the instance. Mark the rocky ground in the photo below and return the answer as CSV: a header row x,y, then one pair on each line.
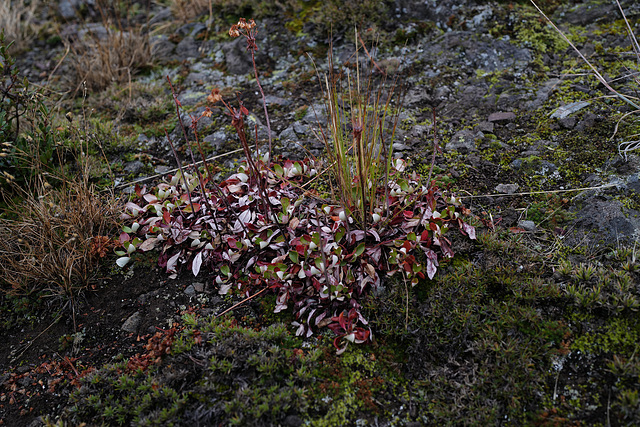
x,y
533,324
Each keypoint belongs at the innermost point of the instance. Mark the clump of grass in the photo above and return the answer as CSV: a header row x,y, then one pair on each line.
x,y
186,10
336,16
17,22
52,247
97,61
357,139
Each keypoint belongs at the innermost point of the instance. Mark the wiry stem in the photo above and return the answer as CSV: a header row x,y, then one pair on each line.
x,y
264,102
435,148
184,177
186,141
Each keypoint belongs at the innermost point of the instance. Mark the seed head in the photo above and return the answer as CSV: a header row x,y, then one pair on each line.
x,y
244,25
215,96
233,31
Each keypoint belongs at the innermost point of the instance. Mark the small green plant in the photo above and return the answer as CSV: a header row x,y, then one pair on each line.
x,y
565,268
585,272
357,140
27,138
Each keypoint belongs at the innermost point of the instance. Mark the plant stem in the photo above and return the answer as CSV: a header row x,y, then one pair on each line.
x,y
241,302
184,178
186,141
264,101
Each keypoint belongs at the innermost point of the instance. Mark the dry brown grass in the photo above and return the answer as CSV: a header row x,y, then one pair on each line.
x,y
54,245
186,10
98,61
17,21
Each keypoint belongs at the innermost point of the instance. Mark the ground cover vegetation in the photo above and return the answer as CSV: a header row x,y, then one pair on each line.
x,y
150,278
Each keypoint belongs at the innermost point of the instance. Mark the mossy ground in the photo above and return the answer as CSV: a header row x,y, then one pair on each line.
x,y
517,329
507,332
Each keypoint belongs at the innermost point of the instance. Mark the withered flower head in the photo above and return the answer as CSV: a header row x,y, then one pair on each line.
x,y
215,96
233,31
207,111
244,25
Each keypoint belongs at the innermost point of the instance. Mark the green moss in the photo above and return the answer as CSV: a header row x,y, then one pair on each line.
x,y
525,25
618,335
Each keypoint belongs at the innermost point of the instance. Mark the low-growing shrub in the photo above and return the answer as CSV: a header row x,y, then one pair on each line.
x,y
264,228
27,137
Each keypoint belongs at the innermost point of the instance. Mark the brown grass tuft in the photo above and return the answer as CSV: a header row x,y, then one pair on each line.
x,y
187,10
54,245
17,22
115,57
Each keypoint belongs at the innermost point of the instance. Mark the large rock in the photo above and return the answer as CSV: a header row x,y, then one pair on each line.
x,y
132,324
236,56
603,221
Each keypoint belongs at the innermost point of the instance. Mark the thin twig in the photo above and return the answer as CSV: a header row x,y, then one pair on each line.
x,y
184,177
160,175
16,358
593,68
435,148
194,126
529,193
241,302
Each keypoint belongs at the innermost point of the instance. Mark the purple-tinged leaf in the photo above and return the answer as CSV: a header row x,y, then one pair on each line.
x,y
194,207
196,264
234,188
300,329
172,262
470,230
432,263
374,253
355,236
446,248
134,208
148,244
375,234
150,198
224,288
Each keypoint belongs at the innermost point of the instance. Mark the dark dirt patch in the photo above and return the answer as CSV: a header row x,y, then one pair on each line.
x,y
44,361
